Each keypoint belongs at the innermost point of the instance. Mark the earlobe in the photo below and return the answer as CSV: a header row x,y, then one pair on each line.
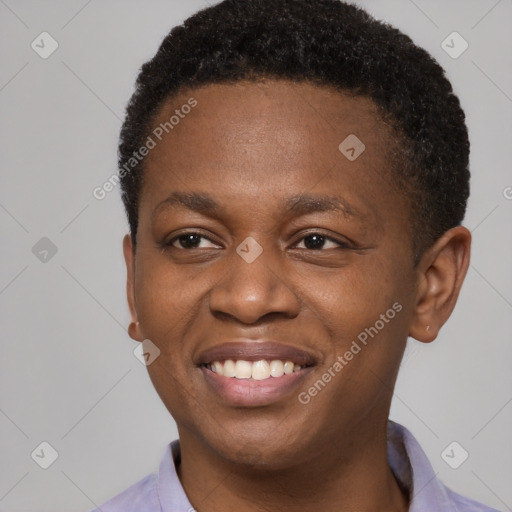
x,y
133,331
129,258
441,273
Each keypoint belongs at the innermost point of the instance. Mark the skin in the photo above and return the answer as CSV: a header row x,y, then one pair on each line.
x,y
250,146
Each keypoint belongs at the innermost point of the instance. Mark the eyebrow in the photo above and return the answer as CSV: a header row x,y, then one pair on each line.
x,y
301,204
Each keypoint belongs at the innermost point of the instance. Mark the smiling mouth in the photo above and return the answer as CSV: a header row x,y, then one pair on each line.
x,y
262,369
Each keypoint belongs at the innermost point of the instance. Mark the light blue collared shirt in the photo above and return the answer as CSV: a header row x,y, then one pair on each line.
x,y
162,491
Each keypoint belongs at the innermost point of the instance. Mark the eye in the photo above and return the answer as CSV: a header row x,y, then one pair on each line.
x,y
192,240
188,240
317,241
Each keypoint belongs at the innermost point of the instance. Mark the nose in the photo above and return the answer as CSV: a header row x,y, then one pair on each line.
x,y
249,290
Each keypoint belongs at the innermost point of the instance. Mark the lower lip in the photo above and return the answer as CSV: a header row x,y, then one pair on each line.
x,y
254,393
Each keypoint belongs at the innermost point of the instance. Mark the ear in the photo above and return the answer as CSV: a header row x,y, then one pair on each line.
x,y
441,272
129,258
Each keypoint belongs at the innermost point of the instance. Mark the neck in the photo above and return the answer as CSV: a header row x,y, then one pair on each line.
x,y
344,475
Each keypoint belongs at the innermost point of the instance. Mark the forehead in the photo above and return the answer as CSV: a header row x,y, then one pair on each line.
x,y
266,140
273,110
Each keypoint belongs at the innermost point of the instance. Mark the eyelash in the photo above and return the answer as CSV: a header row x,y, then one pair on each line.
x,y
169,244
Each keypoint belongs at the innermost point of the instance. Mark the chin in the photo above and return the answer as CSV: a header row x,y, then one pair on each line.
x,y
265,450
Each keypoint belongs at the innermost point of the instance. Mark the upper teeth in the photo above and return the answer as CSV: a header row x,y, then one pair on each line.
x,y
258,370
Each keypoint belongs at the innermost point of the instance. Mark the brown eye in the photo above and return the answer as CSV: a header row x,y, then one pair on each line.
x,y
317,241
190,240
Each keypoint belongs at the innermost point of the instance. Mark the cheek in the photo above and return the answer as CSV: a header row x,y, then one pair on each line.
x,y
167,306
353,298
167,298
364,310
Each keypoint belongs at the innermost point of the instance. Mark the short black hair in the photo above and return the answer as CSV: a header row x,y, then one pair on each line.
x,y
328,43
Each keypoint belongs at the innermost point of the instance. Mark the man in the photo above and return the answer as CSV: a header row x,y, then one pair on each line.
x,y
295,176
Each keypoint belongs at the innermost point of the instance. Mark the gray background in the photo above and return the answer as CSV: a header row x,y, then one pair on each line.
x,y
68,373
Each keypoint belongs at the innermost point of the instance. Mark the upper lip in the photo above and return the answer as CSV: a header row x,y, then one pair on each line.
x,y
255,350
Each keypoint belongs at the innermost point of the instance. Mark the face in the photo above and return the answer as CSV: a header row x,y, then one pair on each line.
x,y
260,242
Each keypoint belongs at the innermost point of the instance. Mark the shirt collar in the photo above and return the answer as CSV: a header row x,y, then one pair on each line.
x,y
170,491
413,470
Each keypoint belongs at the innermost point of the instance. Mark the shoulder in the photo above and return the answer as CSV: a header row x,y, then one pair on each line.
x,y
141,496
465,504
